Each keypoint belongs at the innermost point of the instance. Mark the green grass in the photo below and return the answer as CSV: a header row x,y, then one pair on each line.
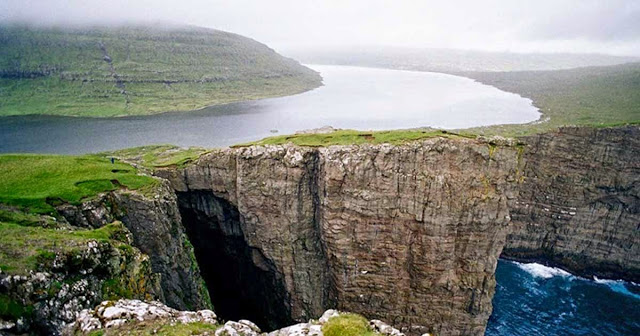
x,y
63,71
37,182
26,219
11,309
593,96
348,325
351,137
157,156
161,328
23,249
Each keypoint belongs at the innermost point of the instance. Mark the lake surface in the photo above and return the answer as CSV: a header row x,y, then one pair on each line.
x,y
532,299
352,97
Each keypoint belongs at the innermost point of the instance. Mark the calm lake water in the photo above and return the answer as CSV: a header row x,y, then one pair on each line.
x,y
532,299
352,97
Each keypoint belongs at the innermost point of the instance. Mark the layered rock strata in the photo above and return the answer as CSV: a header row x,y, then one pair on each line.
x,y
579,203
408,234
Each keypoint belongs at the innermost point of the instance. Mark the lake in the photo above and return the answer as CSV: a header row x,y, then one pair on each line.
x,y
352,97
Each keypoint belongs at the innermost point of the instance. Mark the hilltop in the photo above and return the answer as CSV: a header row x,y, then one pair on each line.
x,y
137,70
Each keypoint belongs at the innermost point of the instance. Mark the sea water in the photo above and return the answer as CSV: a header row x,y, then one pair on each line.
x,y
533,299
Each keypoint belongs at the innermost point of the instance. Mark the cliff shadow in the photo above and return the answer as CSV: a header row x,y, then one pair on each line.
x,y
242,282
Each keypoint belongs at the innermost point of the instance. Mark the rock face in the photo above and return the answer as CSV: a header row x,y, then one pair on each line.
x,y
156,225
407,234
75,281
579,203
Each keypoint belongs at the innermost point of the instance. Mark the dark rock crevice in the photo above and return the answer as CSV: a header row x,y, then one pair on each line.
x,y
243,282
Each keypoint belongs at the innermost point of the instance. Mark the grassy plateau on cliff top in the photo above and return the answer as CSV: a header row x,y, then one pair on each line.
x,y
137,70
38,182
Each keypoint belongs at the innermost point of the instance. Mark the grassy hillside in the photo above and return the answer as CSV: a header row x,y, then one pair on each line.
x,y
103,72
37,182
569,89
591,96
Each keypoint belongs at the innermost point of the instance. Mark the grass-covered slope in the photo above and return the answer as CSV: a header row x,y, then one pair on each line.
x,y
591,96
38,182
102,72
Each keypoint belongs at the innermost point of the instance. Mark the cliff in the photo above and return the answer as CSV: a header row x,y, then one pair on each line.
x,y
408,234
579,203
156,226
123,243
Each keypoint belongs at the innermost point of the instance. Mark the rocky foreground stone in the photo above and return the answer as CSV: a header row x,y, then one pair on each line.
x,y
123,315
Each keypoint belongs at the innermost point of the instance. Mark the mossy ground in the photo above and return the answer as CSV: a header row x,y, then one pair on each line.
x,y
12,309
36,182
156,156
135,328
351,137
28,248
348,324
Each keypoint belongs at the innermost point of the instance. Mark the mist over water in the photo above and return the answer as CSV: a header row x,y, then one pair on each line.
x,y
352,97
532,299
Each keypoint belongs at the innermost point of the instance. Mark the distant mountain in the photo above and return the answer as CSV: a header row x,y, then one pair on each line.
x,y
137,70
450,60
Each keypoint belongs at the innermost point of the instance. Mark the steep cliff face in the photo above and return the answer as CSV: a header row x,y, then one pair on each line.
x,y
155,223
579,204
407,234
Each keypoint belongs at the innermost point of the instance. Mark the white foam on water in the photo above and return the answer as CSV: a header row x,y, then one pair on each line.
x,y
618,286
542,271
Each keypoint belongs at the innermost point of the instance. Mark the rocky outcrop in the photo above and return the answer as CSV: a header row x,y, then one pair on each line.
x,y
154,220
69,282
111,314
119,317
579,203
408,234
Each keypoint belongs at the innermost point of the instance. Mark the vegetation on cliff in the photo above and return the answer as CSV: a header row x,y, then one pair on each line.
x,y
348,324
137,70
157,156
47,274
39,182
352,137
24,249
160,328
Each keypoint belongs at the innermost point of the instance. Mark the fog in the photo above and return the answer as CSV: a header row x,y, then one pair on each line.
x,y
580,26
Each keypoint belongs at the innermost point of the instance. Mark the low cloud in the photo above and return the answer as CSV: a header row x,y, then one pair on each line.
x,y
607,26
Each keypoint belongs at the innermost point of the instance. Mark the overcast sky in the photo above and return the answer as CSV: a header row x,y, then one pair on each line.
x,y
606,26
